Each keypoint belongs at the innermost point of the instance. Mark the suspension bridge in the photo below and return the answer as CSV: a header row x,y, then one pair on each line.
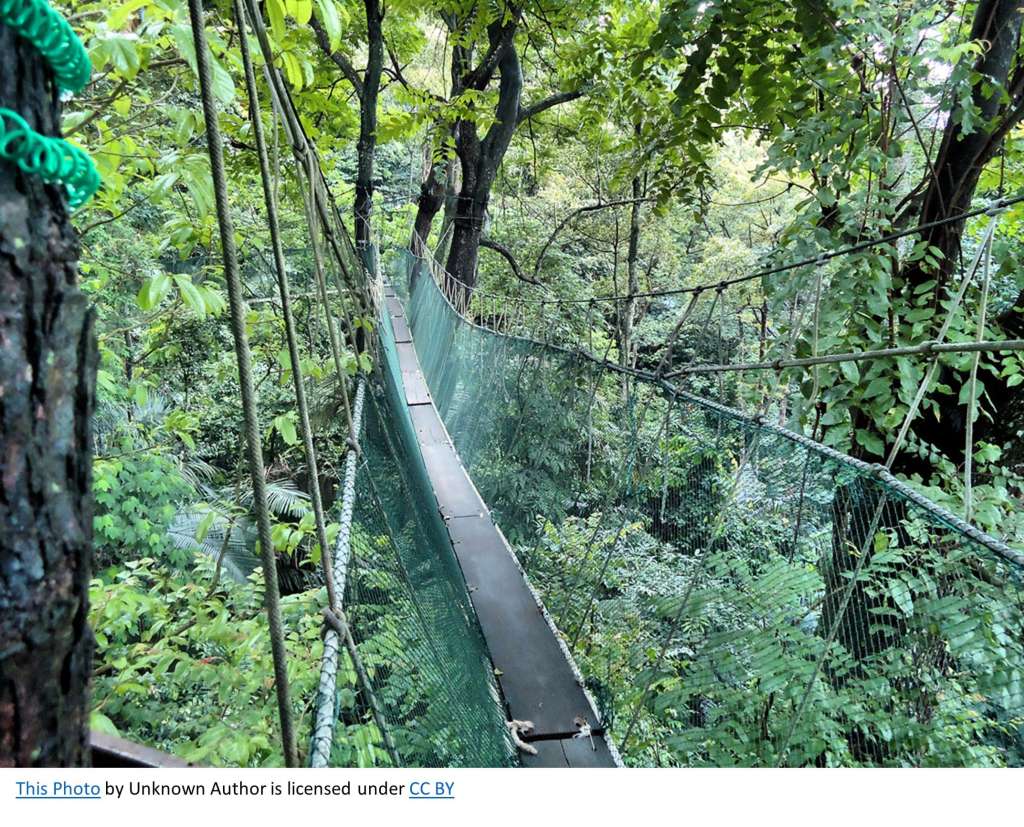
x,y
549,559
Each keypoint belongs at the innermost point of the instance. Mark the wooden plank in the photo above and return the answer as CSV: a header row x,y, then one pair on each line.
x,y
456,496
416,390
570,753
428,426
534,676
402,333
113,751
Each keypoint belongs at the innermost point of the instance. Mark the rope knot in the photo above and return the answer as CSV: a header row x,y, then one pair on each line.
x,y
997,207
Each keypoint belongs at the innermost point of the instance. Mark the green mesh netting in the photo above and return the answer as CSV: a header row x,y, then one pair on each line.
x,y
400,586
734,594
408,607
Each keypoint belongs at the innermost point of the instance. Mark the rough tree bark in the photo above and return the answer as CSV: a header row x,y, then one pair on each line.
x,y
962,156
957,170
47,387
367,145
430,201
480,158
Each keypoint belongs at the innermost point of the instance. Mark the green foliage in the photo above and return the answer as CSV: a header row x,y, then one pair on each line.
x,y
168,641
137,497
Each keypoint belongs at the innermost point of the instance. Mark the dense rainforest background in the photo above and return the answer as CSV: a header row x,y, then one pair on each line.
x,y
550,151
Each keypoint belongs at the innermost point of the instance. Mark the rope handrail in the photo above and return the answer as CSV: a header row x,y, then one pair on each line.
x,y
253,440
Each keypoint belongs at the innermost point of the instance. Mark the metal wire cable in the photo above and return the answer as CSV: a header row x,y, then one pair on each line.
x,y
991,209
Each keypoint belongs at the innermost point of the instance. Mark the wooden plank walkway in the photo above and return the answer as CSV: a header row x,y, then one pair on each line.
x,y
535,678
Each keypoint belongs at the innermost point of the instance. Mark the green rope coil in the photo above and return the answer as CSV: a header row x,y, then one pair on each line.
x,y
52,159
53,36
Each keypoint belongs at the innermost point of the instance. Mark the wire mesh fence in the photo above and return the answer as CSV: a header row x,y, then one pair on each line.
x,y
734,594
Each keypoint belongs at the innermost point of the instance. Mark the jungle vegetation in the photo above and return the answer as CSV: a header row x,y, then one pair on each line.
x,y
545,150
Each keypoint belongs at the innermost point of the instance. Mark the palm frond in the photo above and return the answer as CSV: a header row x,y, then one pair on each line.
x,y
235,539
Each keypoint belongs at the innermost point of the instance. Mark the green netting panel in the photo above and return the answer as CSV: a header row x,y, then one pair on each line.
x,y
734,594
409,611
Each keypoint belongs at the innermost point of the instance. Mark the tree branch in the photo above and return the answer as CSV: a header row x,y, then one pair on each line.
x,y
547,103
573,215
500,36
506,254
339,60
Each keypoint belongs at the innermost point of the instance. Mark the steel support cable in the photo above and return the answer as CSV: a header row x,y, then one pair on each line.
x,y
301,146
307,159
940,340
298,380
942,517
332,332
1007,345
972,398
254,446
996,206
941,514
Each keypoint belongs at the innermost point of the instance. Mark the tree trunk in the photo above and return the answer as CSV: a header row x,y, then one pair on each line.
x,y
47,387
428,205
957,170
962,157
367,145
480,160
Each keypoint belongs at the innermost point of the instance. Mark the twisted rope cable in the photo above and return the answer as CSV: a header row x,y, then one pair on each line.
x,y
325,718
253,441
53,37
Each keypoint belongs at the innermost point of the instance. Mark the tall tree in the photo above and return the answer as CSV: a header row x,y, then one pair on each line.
x,y
474,68
367,89
47,388
849,100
